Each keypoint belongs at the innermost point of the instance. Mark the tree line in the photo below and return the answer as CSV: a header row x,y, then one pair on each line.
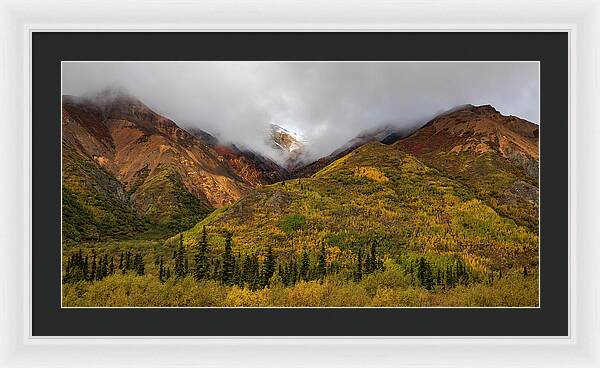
x,y
430,275
247,271
253,273
96,267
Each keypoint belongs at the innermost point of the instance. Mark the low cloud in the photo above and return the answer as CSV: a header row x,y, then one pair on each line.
x,y
327,103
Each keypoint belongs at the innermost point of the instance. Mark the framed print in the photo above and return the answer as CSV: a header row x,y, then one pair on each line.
x,y
294,187
400,189
356,209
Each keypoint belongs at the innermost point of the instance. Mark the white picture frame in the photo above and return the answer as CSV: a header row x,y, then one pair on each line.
x,y
18,19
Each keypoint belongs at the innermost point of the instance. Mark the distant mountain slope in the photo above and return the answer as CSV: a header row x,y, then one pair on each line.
x,y
496,155
291,145
248,164
375,192
386,134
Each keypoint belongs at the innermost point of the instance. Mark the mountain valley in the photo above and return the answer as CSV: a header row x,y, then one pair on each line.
x,y
446,214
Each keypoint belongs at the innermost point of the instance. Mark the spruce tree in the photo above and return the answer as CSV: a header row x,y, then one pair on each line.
x,y
228,262
304,267
269,266
367,265
140,265
85,268
373,258
321,263
104,266
246,271
201,268
359,269
424,274
254,273
93,272
293,272
161,270
180,259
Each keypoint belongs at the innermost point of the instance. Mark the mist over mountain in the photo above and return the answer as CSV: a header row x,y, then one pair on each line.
x,y
328,104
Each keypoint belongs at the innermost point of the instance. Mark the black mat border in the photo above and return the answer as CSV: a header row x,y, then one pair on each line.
x,y
551,49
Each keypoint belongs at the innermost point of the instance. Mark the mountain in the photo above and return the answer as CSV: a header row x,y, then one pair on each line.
x,y
285,140
169,176
376,193
464,183
248,164
443,216
290,145
386,134
496,155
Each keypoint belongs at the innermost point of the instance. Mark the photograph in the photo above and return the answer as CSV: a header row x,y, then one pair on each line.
x,y
300,184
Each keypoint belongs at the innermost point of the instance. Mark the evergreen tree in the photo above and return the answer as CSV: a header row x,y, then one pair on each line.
x,y
201,268
180,259
93,272
367,264
85,268
228,261
161,270
305,267
371,260
105,266
140,265
255,280
449,277
424,274
246,270
269,266
293,272
282,273
359,268
321,263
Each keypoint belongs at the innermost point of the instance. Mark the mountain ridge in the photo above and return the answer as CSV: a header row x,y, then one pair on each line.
x,y
146,152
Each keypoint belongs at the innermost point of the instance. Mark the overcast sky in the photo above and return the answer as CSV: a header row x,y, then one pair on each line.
x,y
327,103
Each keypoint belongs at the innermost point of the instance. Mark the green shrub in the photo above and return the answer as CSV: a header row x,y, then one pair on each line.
x,y
291,223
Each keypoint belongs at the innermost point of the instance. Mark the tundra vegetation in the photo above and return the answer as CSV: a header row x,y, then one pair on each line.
x,y
378,227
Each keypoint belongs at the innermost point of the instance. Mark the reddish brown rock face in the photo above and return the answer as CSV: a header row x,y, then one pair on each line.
x,y
478,129
131,141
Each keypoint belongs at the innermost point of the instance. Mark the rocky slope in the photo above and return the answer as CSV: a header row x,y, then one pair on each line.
x,y
248,164
496,155
167,173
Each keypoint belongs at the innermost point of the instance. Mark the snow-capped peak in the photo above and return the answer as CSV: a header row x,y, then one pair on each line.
x,y
285,139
